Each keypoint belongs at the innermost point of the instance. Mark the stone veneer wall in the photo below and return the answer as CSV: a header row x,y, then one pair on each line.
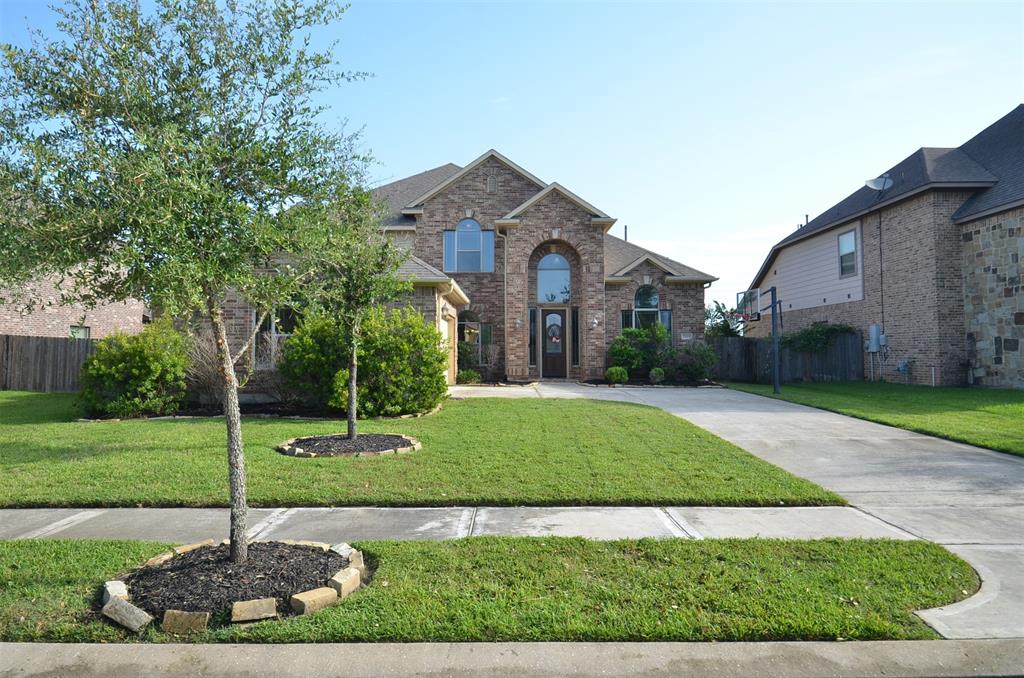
x,y
993,301
686,301
916,260
56,320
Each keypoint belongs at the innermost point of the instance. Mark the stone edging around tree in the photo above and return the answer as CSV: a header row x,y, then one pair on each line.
x,y
118,608
288,448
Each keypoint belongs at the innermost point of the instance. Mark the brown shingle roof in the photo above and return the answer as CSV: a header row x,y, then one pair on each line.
x,y
618,254
397,194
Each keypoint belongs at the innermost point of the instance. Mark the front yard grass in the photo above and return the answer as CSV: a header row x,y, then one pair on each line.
x,y
540,589
475,452
984,417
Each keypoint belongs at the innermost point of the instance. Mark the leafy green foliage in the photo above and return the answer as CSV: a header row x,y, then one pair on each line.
x,y
469,356
639,349
656,375
467,377
540,589
403,362
720,321
136,375
692,362
814,338
402,366
616,375
311,357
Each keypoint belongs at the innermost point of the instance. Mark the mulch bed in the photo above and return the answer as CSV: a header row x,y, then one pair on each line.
x,y
645,382
342,446
205,580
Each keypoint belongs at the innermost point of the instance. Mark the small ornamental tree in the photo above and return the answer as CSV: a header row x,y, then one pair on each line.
x,y
719,321
175,156
352,272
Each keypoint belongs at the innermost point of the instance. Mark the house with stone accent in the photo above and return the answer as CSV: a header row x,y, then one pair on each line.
x,y
934,258
524,272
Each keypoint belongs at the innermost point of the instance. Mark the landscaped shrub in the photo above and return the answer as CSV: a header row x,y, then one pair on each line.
x,y
469,356
814,338
402,363
313,354
616,375
656,375
692,362
639,349
136,375
467,377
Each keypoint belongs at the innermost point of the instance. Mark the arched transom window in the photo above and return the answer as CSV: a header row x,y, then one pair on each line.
x,y
554,279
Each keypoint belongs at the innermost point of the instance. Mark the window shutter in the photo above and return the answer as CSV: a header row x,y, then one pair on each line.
x,y
487,253
449,251
627,319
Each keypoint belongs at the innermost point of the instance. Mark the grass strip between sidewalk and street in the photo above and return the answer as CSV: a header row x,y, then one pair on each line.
x,y
538,589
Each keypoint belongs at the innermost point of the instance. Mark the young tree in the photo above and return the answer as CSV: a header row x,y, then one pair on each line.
x,y
176,156
719,321
351,273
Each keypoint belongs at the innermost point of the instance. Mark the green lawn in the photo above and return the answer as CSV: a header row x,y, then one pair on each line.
x,y
540,589
475,452
984,417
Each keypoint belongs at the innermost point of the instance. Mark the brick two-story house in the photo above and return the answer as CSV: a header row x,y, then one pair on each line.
x,y
547,287
934,258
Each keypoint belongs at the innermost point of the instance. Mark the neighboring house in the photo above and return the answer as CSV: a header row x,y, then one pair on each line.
x,y
934,259
548,289
51,319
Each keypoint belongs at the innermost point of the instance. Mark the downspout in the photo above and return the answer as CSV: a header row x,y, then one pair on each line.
x,y
504,295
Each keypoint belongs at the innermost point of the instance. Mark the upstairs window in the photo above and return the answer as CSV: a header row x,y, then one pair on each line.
x,y
847,254
554,280
469,249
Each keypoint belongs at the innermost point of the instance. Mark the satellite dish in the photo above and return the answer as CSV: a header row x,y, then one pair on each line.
x,y
880,183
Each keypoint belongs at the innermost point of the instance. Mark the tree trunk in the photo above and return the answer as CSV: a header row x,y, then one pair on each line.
x,y
352,404
236,452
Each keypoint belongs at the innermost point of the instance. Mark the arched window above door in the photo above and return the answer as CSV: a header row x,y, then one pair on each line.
x,y
554,280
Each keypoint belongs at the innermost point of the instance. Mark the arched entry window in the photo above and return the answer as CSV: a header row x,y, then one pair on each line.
x,y
554,280
645,311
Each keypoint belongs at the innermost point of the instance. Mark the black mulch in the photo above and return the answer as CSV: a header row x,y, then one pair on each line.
x,y
205,580
290,409
645,382
340,446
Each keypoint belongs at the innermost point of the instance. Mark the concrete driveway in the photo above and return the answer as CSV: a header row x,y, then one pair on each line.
x,y
969,499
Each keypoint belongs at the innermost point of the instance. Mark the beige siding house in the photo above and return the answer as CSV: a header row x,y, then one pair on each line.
x,y
933,258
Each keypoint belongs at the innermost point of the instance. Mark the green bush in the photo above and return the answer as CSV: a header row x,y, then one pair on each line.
x,y
616,375
469,356
639,349
402,365
136,375
467,377
656,375
311,357
814,338
692,362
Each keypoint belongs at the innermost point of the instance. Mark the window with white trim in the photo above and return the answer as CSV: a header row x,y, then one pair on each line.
x,y
276,328
469,248
848,254
645,311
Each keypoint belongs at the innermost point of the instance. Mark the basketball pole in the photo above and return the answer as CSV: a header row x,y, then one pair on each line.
x,y
775,344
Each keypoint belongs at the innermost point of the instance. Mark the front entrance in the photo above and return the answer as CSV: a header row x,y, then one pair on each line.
x,y
553,352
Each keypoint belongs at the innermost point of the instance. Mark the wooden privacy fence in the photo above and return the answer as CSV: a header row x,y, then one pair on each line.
x,y
750,359
42,363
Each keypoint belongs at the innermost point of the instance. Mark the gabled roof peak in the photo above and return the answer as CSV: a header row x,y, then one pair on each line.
x,y
487,155
551,188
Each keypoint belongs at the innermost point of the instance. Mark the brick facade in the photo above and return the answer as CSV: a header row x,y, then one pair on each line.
x,y
916,262
993,302
685,300
55,320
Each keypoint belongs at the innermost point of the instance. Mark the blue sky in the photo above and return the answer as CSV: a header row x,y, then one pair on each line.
x,y
710,129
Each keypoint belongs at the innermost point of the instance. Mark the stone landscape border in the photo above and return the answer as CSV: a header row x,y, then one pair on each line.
x,y
117,604
288,447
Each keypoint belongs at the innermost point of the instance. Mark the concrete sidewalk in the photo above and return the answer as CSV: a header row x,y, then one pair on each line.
x,y
516,660
969,499
349,524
